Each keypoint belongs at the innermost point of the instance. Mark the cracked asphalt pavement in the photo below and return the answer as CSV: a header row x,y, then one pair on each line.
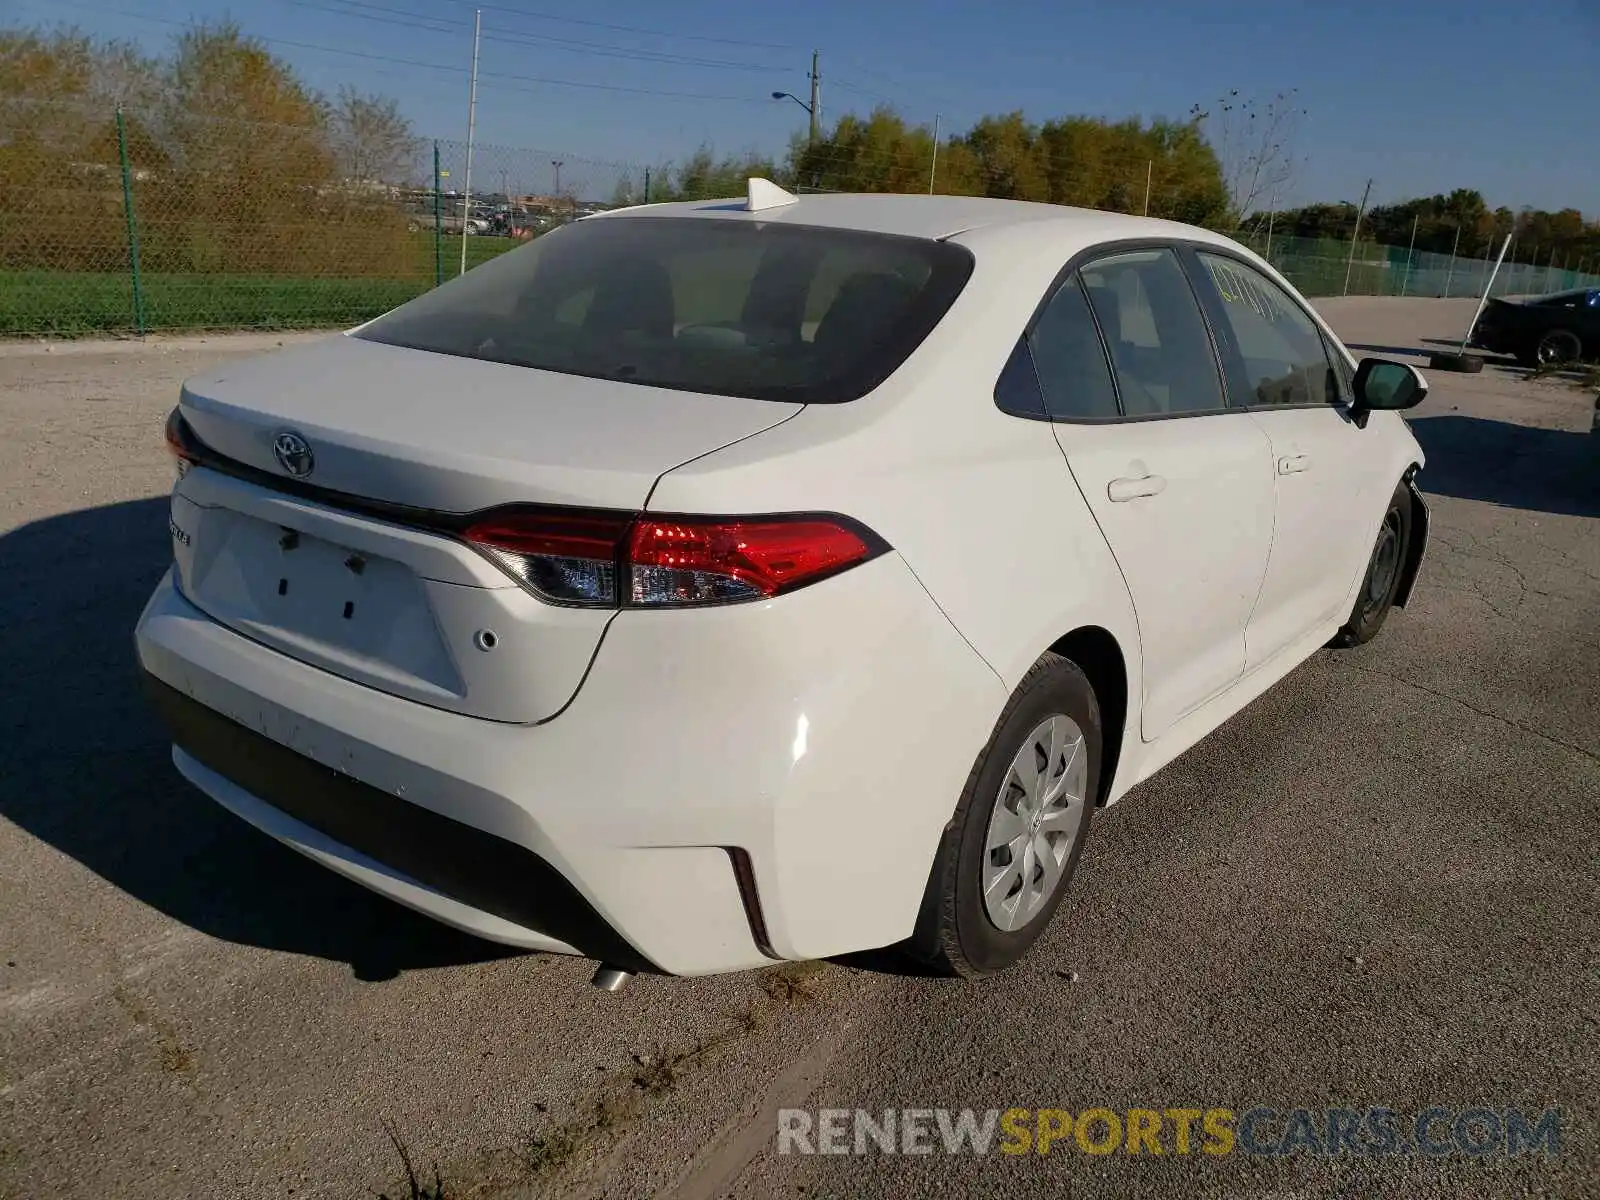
x,y
1376,886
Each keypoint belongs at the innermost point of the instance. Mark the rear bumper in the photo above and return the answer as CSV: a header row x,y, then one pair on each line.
x,y
824,736
416,853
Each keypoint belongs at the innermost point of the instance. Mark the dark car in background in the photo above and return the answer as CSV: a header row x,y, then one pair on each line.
x,y
1543,331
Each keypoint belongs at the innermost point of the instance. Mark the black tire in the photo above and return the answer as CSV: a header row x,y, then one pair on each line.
x,y
954,932
1557,348
1382,578
1467,364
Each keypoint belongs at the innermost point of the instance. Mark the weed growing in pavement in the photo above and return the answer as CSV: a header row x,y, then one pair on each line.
x,y
792,981
415,1189
1579,375
170,1052
622,1099
549,1151
657,1074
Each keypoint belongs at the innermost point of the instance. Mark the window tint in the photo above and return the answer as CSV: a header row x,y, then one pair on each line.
x,y
1284,357
1017,391
1070,359
711,283
1158,341
769,311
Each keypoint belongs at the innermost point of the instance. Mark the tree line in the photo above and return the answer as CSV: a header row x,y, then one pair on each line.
x,y
1078,160
1215,169
238,165
1458,222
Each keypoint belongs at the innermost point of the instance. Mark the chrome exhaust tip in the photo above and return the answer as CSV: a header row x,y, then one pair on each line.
x,y
611,979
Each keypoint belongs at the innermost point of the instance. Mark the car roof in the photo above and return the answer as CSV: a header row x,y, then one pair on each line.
x,y
927,216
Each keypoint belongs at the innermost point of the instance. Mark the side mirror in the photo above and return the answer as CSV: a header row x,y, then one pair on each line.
x,y
1381,384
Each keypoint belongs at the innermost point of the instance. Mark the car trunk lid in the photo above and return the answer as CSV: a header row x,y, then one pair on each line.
x,y
356,566
455,434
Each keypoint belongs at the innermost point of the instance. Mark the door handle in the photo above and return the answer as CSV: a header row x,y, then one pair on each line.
x,y
1122,490
1293,464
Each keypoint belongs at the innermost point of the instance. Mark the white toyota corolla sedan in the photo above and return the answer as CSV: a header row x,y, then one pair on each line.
x,y
710,584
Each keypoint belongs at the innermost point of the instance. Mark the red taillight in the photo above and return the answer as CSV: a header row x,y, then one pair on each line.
x,y
687,561
178,442
569,557
657,561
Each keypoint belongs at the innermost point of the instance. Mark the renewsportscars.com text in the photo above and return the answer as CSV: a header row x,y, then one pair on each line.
x,y
1434,1132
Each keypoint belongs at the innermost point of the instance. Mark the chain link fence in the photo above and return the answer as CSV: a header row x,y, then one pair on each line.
x,y
1327,267
113,223
120,222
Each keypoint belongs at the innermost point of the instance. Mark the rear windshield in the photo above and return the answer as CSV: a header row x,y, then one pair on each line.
x,y
733,307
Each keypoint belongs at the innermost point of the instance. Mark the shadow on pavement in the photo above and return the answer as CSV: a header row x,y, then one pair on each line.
x,y
88,769
1515,466
1361,348
889,960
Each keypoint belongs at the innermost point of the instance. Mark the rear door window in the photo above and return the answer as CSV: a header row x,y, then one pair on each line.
x,y
1017,390
1073,373
727,306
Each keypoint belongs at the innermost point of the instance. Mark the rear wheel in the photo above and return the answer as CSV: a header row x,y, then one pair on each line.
x,y
1382,580
1010,851
1557,348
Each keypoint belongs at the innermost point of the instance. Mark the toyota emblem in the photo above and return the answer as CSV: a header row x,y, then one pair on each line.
x,y
293,453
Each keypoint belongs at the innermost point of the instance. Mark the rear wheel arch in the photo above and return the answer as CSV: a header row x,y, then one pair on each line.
x,y
1097,653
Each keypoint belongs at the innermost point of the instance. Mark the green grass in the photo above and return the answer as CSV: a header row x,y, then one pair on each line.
x,y
85,304
480,249
46,303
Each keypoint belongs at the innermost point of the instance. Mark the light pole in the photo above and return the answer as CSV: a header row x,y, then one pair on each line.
x,y
557,164
472,124
811,111
814,109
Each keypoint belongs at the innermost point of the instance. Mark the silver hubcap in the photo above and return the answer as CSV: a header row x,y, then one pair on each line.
x,y
1385,561
1034,823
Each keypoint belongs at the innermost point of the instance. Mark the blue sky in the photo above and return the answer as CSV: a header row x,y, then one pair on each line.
x,y
1420,95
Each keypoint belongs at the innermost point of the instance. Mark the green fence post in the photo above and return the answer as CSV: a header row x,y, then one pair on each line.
x,y
438,223
133,228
